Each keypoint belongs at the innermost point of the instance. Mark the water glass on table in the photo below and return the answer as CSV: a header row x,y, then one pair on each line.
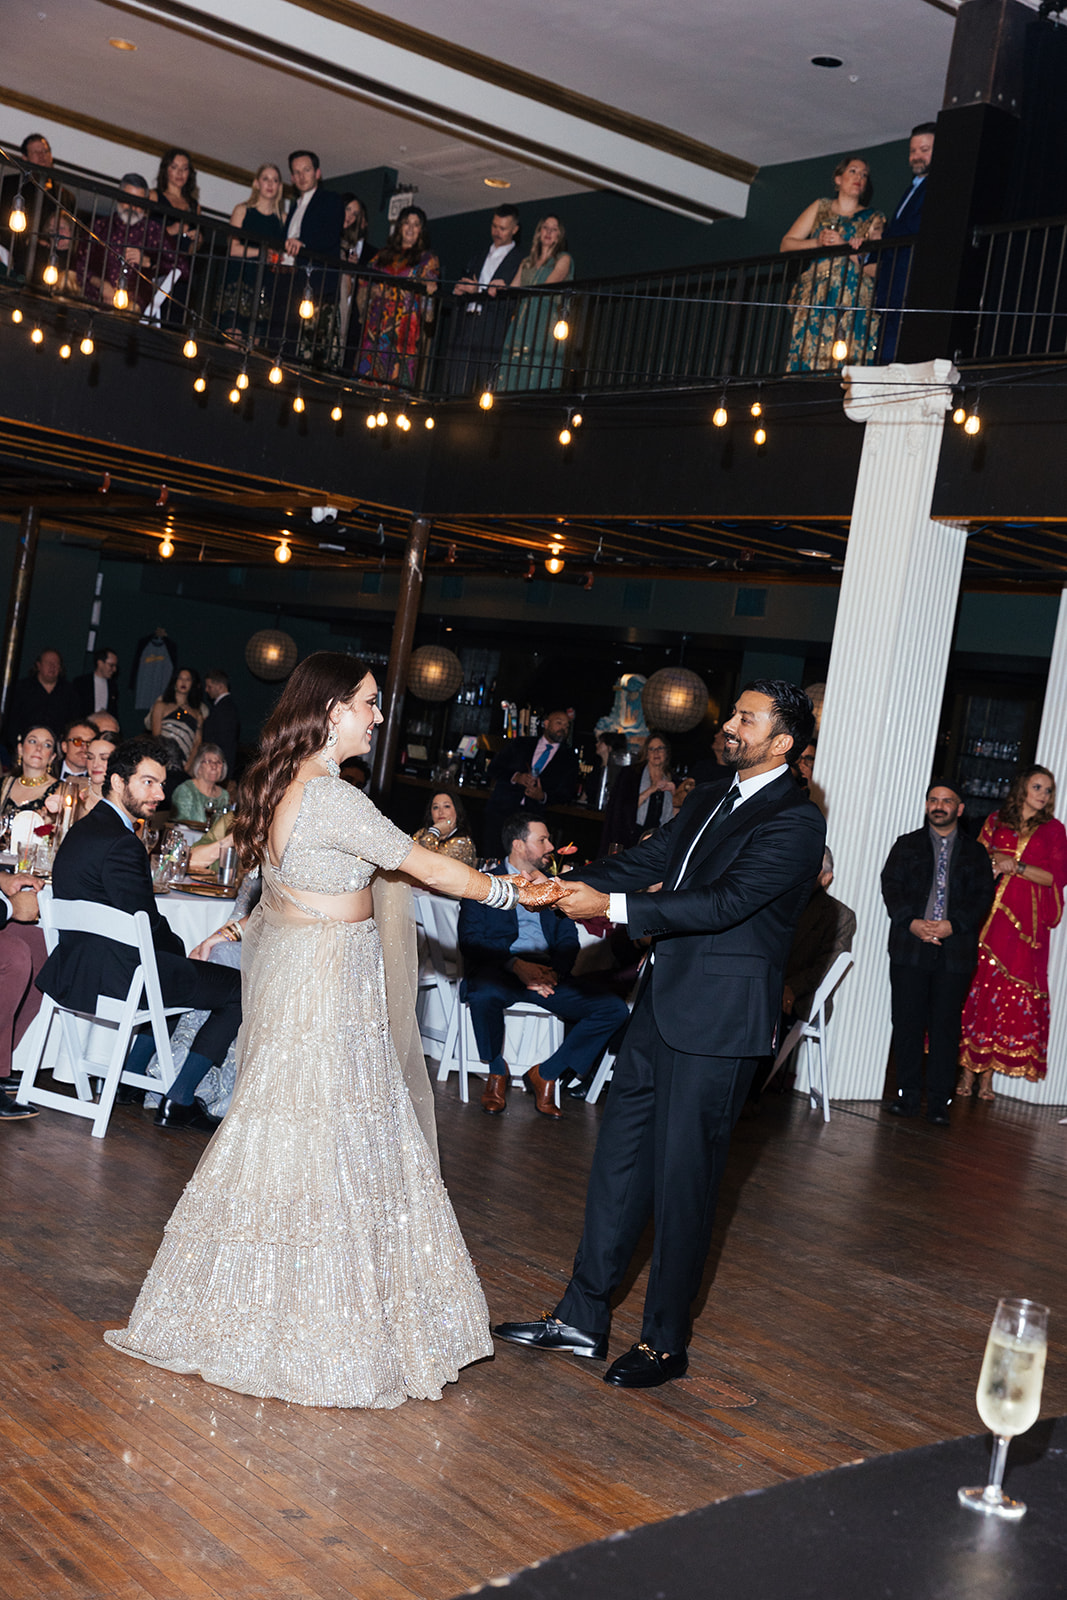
x,y
1009,1395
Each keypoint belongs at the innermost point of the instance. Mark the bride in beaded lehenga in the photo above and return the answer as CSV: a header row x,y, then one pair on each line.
x,y
314,1255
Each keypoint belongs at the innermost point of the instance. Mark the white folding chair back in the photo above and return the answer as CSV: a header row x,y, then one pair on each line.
x,y
604,1074
812,1036
440,970
97,1041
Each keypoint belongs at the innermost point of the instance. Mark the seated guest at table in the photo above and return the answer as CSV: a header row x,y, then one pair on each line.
x,y
206,853
642,798
530,774
22,955
119,251
103,861
72,747
190,800
44,699
29,787
178,720
97,757
98,691
520,955
445,828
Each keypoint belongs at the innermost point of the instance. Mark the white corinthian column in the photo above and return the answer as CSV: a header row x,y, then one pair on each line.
x,y
886,680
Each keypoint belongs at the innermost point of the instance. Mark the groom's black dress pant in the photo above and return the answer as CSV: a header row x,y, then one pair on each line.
x,y
661,1154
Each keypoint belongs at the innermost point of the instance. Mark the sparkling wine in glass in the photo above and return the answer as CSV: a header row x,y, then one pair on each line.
x,y
1009,1394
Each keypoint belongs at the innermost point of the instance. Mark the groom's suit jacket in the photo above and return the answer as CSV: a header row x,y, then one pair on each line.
x,y
721,938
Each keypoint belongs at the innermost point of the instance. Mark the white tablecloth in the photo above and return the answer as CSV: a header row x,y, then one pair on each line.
x,y
192,917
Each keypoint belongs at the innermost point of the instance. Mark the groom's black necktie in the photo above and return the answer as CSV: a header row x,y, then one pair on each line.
x,y
718,816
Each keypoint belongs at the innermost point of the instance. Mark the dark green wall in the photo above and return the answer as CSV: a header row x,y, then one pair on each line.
x,y
609,233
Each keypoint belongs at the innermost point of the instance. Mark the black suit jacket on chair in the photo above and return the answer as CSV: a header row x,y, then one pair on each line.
x,y
906,879
721,940
102,861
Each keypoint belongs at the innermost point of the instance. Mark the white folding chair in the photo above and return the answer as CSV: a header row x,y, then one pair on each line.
x,y
604,1074
812,1035
440,970
531,1035
97,1041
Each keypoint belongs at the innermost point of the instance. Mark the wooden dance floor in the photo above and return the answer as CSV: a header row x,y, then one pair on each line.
x,y
856,1270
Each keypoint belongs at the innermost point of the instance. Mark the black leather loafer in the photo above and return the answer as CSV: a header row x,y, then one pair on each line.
x,y
11,1111
901,1108
938,1115
172,1115
645,1368
548,1334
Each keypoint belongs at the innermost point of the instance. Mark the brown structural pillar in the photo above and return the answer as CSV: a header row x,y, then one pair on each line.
x,y
18,602
387,739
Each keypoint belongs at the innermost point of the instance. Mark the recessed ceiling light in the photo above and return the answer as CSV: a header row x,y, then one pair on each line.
x,y
497,183
817,555
827,61
122,44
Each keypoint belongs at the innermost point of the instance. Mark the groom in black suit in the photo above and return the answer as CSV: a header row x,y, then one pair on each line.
x,y
736,866
102,860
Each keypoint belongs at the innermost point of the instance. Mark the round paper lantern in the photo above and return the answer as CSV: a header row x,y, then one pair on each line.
x,y
434,673
674,699
271,654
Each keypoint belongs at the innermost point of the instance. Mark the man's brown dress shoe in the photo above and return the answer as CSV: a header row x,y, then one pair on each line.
x,y
495,1097
544,1093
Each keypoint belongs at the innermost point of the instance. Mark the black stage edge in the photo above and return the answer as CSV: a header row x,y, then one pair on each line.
x,y
887,1529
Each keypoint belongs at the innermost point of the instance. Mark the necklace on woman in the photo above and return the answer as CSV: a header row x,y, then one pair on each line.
x,y
31,783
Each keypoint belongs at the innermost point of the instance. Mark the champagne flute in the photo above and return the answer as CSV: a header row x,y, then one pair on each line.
x,y
1009,1394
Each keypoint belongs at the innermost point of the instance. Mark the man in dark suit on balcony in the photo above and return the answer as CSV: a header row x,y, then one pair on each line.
x,y
895,264
731,873
480,316
103,861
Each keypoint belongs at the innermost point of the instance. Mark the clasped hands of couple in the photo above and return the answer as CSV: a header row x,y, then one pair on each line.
x,y
537,894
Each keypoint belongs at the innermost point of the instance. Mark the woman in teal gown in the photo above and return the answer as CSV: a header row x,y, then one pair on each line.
x,y
533,357
833,296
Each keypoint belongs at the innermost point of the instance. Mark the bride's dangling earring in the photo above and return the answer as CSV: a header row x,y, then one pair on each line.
x,y
331,765
331,738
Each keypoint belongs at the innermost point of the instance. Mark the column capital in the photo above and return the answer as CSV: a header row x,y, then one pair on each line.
x,y
919,392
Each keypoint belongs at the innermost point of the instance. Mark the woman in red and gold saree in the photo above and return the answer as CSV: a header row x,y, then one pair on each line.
x,y
1005,1019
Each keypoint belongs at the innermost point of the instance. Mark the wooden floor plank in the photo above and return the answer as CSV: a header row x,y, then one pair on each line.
x,y
853,1276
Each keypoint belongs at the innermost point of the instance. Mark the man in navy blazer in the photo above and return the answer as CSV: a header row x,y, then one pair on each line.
x,y
892,285
102,860
730,874
316,215
528,955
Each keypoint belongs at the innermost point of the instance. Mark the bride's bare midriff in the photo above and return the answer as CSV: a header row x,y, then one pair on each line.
x,y
354,907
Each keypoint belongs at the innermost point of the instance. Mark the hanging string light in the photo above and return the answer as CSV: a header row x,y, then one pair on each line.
x,y
16,315
189,349
201,382
565,436
87,346
554,564
839,348
166,547
720,416
959,416
241,380
760,436
283,553
485,399
338,411
402,421
306,308
275,375
430,424
973,424
756,408
382,420
299,403
562,329
65,352
576,419
372,420
16,220
234,395
37,336
50,275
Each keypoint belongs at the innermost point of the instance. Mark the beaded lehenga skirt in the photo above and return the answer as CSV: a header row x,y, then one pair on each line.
x,y
314,1255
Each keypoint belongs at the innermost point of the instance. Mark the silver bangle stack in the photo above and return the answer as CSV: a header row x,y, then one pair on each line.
x,y
502,895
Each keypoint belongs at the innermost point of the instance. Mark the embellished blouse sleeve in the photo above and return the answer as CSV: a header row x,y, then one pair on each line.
x,y
358,827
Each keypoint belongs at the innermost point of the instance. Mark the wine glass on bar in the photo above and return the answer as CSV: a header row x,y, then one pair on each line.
x,y
1009,1394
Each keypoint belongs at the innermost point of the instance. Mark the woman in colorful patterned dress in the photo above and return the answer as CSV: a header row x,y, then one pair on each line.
x,y
1005,1019
833,296
394,317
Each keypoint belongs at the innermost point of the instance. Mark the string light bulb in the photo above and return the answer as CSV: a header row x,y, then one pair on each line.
x,y
403,422
337,413
275,375
756,408
17,217
760,436
959,416
189,349
839,349
50,275
87,346
430,424
562,329
299,403
565,436
16,315
37,336
201,381
973,424
372,420
65,352
166,546
306,308
283,553
720,416
577,419
381,419
485,399
554,564
121,299
234,395
241,380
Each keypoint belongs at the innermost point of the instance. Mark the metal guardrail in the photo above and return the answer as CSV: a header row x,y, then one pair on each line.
x,y
1021,275
87,244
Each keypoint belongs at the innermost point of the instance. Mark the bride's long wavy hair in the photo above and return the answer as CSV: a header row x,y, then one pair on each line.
x,y
296,729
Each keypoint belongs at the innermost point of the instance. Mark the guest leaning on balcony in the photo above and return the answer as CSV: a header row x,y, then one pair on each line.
x,y
244,302
833,296
121,252
533,356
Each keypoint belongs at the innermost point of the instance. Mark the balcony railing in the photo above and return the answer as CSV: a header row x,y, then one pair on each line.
x,y
90,245
1021,273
